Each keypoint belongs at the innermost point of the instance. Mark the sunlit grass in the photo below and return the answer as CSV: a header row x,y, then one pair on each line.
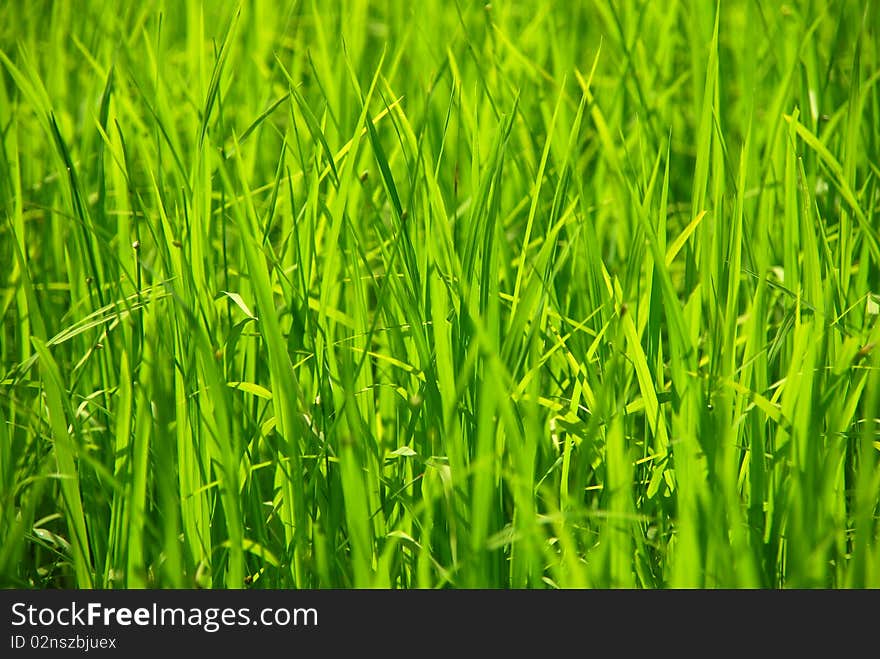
x,y
553,294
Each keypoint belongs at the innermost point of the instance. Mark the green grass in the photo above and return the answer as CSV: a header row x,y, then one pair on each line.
x,y
553,294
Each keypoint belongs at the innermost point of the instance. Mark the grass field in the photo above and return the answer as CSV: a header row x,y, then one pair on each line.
x,y
439,294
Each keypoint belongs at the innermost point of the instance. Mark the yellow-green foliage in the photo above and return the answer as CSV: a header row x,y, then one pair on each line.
x,y
439,294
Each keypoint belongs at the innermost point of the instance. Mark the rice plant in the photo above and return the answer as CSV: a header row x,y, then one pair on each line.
x,y
440,294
